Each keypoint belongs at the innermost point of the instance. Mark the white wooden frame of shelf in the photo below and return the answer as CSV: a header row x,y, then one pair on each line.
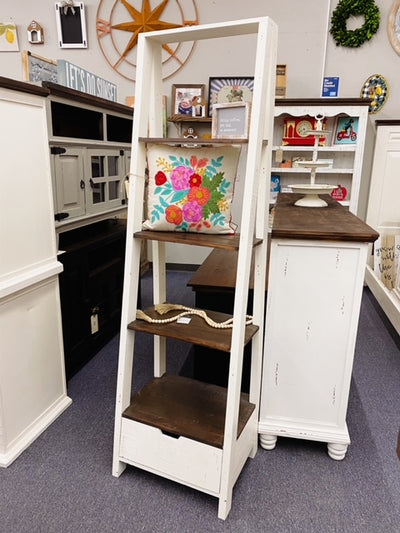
x,y
298,170
329,148
148,123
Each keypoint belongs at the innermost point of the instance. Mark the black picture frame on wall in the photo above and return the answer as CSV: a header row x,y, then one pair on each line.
x,y
229,89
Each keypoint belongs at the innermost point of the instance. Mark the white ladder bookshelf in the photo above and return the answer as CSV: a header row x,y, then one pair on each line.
x,y
154,428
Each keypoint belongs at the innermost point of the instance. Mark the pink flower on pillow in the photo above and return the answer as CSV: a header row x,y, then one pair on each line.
x,y
200,195
173,215
192,212
180,178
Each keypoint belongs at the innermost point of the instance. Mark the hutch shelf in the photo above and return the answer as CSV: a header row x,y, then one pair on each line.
x,y
198,434
349,163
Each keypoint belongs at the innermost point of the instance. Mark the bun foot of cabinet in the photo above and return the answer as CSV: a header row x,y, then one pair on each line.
x,y
268,442
337,451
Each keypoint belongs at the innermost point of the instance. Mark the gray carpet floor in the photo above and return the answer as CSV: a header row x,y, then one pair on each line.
x,y
63,484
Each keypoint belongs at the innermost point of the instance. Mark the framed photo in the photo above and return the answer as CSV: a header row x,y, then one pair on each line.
x,y
231,121
229,90
188,99
346,130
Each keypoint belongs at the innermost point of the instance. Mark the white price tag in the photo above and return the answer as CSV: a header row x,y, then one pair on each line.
x,y
183,320
94,323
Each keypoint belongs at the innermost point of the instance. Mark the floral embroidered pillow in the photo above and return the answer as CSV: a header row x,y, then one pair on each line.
x,y
191,189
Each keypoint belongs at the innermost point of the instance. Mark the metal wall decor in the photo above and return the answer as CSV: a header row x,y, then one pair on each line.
x,y
119,23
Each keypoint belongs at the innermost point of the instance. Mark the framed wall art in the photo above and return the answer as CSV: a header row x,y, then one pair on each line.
x,y
71,25
8,37
188,99
38,68
227,90
231,121
346,130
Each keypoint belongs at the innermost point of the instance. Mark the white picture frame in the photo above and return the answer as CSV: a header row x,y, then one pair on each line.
x,y
71,25
231,121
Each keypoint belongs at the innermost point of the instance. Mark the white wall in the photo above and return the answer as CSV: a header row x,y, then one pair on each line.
x,y
305,45
299,43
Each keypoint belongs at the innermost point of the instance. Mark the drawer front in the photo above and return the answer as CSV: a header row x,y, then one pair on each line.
x,y
180,459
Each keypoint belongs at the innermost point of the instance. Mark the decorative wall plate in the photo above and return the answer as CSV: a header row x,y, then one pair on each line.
x,y
377,89
119,22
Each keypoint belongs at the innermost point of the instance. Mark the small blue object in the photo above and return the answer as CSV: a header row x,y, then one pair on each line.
x,y
275,187
330,87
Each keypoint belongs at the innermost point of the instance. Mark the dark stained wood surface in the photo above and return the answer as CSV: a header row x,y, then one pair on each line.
x,y
22,86
333,222
388,122
197,332
55,89
218,272
185,407
324,102
182,141
225,242
88,99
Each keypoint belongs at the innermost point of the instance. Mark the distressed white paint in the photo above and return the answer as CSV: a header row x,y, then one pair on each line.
x,y
314,297
131,440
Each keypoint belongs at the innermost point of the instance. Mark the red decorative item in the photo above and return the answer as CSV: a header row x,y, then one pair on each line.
x,y
339,193
296,131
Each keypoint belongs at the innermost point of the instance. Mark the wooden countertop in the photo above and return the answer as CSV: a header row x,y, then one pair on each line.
x,y
49,88
333,222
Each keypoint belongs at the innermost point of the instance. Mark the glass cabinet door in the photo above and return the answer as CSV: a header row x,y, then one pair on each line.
x,y
106,173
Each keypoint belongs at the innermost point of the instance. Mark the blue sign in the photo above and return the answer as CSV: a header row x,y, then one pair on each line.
x,y
330,87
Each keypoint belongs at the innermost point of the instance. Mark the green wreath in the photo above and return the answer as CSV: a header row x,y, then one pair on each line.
x,y
348,8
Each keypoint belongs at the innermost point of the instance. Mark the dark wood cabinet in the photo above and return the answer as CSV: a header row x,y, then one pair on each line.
x,y
91,289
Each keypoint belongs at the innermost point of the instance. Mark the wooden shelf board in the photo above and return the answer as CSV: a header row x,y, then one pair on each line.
x,y
222,241
181,406
333,222
190,142
188,118
197,332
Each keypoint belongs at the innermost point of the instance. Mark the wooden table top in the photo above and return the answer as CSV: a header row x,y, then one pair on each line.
x,y
333,222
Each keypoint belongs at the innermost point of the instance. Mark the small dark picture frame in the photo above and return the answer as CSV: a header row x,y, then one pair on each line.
x,y
188,100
